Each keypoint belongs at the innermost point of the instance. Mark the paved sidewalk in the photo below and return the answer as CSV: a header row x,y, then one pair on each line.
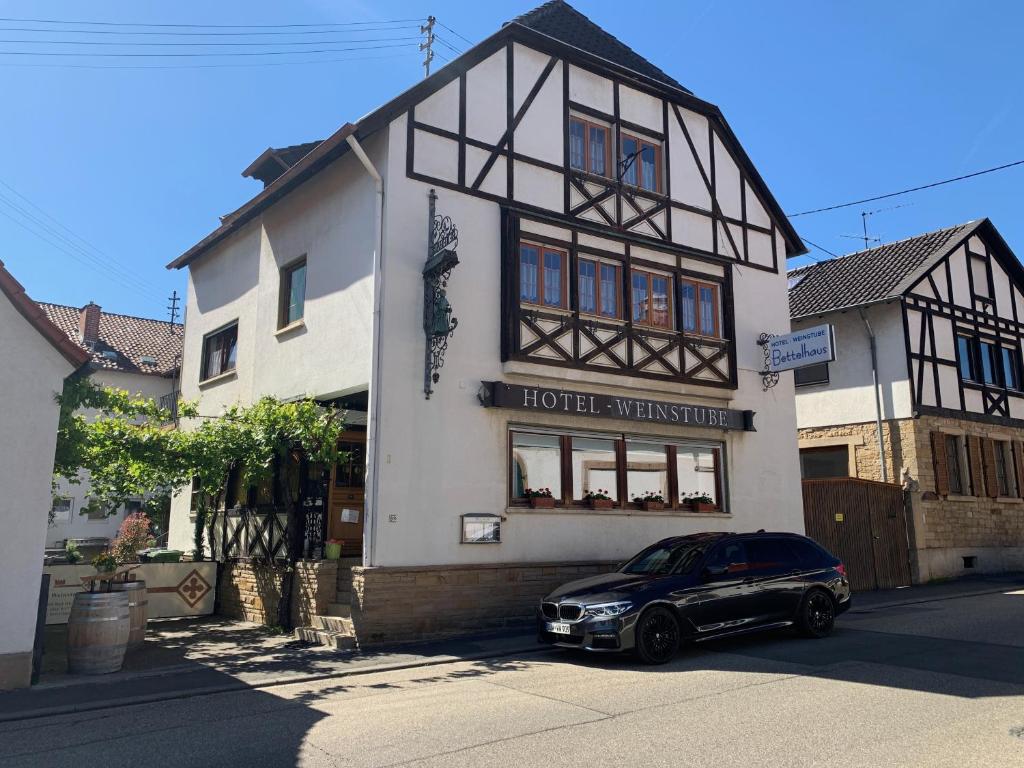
x,y
195,657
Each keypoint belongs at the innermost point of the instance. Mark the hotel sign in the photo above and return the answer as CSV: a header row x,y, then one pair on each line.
x,y
497,394
798,349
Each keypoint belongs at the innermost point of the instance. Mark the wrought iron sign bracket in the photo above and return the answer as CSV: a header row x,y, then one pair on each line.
x,y
438,323
769,378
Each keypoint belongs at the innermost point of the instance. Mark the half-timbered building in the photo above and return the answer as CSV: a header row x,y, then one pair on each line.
x,y
544,269
928,332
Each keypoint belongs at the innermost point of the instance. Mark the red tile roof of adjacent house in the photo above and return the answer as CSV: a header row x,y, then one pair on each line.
x,y
31,311
126,343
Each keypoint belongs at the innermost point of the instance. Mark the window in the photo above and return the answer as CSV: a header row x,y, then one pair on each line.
x,y
699,306
600,285
658,560
965,352
588,147
621,468
989,363
1011,368
955,464
481,529
811,374
1006,481
536,463
831,461
594,467
219,352
732,556
652,299
646,470
61,509
293,293
542,274
697,472
640,163
771,556
350,472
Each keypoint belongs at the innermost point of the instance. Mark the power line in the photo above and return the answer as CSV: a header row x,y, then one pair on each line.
x,y
447,45
907,191
247,64
162,43
204,54
442,24
815,245
205,26
157,33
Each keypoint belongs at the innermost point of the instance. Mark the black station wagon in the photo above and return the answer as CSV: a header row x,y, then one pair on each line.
x,y
696,588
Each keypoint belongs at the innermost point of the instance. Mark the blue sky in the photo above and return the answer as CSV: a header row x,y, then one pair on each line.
x,y
833,102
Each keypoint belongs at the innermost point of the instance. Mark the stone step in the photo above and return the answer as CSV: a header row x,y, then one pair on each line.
x,y
343,596
324,637
340,624
339,609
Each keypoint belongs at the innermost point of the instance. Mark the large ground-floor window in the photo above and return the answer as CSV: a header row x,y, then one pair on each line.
x,y
578,467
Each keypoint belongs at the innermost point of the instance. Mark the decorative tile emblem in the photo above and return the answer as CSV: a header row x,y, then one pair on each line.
x,y
193,588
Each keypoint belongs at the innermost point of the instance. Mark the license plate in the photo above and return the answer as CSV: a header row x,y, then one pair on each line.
x,y
558,628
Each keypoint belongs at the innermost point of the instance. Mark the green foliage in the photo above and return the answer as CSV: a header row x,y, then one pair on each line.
x,y
129,453
71,553
104,562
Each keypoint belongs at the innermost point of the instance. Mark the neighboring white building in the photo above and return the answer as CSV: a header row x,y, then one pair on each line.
x,y
618,257
946,310
137,354
38,360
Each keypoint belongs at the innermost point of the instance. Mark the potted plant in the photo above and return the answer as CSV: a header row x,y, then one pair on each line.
x,y
540,497
699,501
71,553
650,500
599,499
332,550
104,562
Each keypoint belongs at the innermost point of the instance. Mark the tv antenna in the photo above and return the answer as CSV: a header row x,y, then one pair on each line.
x,y
868,239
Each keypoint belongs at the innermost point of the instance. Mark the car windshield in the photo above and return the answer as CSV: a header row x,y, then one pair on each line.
x,y
665,559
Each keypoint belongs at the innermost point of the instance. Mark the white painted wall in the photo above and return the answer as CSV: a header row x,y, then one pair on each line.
x,y
849,397
78,525
330,221
33,374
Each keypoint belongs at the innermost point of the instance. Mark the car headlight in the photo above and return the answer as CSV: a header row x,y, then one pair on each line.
x,y
607,610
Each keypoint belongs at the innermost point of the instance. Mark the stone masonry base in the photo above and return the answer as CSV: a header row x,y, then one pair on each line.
x,y
416,602
15,670
252,591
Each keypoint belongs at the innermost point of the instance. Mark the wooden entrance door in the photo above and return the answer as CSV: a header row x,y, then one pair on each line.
x,y
346,497
864,524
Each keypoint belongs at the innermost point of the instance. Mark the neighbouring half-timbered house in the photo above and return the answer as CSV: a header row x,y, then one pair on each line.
x,y
946,313
544,267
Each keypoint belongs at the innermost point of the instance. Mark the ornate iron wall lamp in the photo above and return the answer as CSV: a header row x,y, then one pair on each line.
x,y
769,378
438,323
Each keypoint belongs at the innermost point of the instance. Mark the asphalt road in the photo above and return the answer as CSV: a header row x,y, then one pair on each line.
x,y
935,684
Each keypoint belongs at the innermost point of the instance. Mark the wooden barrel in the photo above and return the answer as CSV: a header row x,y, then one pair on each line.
x,y
97,632
138,608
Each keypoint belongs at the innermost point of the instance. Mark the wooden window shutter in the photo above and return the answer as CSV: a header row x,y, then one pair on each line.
x,y
974,457
1018,465
941,464
988,454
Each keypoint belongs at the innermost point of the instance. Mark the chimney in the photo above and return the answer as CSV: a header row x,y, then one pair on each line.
x,y
89,324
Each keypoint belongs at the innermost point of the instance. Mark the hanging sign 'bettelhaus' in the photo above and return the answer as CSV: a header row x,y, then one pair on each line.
x,y
496,394
808,346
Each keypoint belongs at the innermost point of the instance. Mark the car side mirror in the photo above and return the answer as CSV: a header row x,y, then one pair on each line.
x,y
715,571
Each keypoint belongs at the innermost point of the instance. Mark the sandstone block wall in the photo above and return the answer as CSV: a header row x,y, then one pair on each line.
x,y
417,602
252,591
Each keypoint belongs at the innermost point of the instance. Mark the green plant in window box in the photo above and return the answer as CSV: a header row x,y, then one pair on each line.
x,y
699,501
599,499
71,553
105,562
650,500
539,497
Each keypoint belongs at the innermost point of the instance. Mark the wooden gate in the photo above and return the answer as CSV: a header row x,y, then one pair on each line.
x,y
864,524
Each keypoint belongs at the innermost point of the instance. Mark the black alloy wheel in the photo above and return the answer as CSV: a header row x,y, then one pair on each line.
x,y
817,615
657,636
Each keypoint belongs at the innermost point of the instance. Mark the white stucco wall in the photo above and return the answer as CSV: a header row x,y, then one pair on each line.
x,y
33,374
329,220
79,526
849,397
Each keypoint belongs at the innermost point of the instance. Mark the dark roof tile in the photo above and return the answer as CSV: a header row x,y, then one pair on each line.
x,y
870,276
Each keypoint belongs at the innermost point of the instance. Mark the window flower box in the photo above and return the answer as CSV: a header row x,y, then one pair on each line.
x,y
540,498
650,501
599,499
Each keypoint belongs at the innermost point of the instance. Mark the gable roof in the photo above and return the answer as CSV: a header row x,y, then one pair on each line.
x,y
131,338
559,20
568,31
15,293
877,274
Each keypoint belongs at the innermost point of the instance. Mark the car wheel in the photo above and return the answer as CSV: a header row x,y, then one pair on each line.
x,y
657,636
817,614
